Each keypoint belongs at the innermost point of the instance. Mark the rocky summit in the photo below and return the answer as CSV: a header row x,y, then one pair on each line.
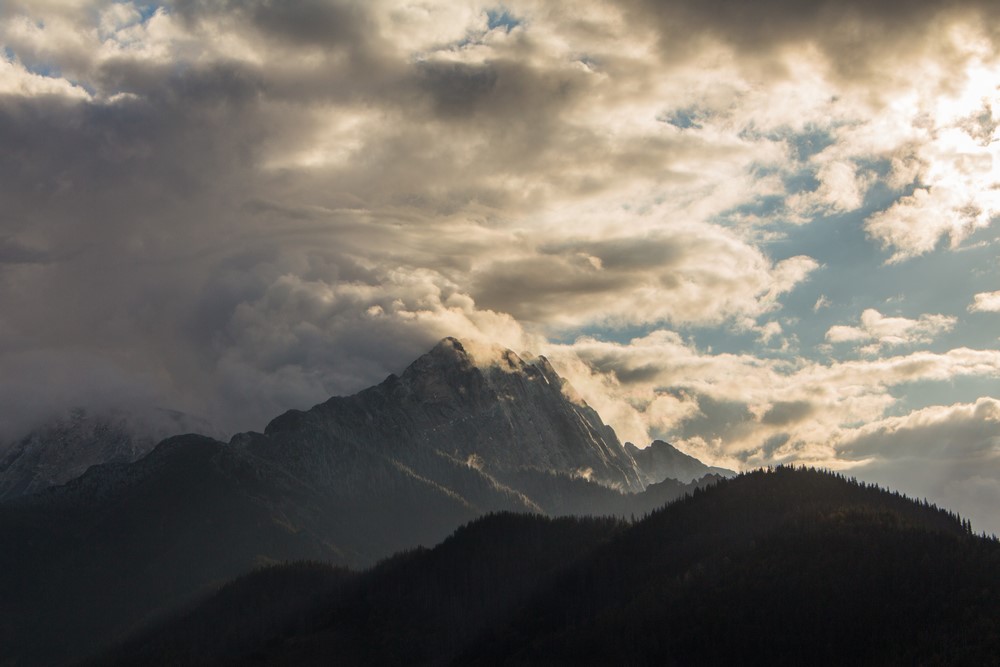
x,y
488,409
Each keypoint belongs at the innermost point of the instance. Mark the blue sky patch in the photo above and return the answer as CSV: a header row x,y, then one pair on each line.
x,y
501,18
687,118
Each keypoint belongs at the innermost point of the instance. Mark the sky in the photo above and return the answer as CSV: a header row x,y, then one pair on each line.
x,y
766,232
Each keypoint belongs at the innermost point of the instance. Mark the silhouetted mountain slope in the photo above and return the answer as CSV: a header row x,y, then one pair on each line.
x,y
85,560
350,481
661,460
249,612
783,567
95,557
788,567
410,609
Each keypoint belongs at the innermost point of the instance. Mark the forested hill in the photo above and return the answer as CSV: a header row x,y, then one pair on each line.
x,y
789,566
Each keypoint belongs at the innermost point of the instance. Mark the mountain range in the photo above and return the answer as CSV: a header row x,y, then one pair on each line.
x,y
309,543
462,432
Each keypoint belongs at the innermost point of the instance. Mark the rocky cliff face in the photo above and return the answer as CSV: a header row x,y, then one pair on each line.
x,y
486,410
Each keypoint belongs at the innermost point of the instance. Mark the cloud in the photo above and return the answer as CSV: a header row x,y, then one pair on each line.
x,y
234,208
15,79
737,404
881,331
985,302
685,273
949,454
855,38
301,340
953,171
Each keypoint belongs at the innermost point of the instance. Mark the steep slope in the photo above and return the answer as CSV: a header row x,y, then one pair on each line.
x,y
661,460
783,567
85,561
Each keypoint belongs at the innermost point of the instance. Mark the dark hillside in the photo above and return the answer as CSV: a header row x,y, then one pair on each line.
x,y
782,567
418,607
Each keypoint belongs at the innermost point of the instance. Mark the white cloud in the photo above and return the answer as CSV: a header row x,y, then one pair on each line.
x,y
805,403
16,80
885,332
954,165
985,302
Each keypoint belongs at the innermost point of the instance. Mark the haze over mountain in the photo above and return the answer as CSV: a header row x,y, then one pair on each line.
x,y
458,434
64,448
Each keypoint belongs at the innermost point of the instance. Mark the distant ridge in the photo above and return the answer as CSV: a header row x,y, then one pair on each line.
x,y
65,447
661,460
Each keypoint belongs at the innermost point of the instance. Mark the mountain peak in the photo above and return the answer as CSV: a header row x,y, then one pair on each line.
x,y
451,350
464,401
661,460
449,347
452,359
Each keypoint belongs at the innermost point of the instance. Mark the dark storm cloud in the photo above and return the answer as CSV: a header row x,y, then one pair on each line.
x,y
850,33
499,89
783,413
310,22
299,23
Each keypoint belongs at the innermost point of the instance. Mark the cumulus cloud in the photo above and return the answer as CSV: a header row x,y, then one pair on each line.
x,y
881,331
953,171
985,302
735,408
686,273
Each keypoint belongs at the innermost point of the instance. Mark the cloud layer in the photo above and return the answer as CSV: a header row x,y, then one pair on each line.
x,y
754,229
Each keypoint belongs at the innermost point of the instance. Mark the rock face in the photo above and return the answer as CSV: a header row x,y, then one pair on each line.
x,y
66,447
487,410
661,461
